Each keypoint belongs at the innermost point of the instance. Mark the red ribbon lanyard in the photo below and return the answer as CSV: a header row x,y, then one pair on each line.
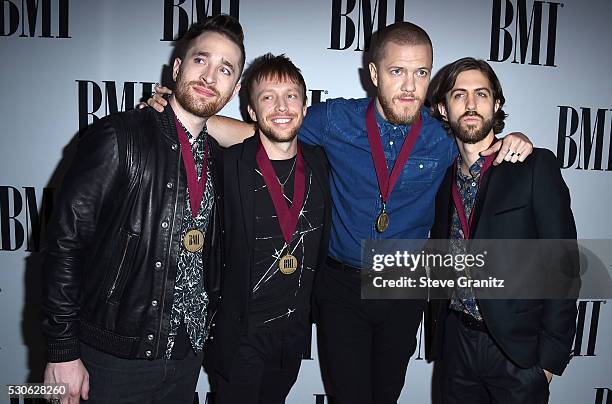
x,y
287,217
196,188
386,182
465,224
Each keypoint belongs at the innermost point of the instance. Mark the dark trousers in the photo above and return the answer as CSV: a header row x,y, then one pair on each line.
x,y
115,380
265,366
477,371
364,345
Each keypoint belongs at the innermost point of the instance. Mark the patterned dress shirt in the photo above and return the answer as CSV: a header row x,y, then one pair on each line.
x,y
464,299
190,298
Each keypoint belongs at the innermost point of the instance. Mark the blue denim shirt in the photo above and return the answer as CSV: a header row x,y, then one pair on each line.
x,y
338,125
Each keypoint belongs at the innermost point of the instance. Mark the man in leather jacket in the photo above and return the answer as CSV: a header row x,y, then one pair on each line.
x,y
133,247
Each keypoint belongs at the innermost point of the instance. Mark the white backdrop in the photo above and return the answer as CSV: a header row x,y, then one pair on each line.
x,y
55,52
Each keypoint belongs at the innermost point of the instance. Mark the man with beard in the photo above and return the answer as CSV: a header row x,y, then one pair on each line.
x,y
498,351
277,211
365,345
133,251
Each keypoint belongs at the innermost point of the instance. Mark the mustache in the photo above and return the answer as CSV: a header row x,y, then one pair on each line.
x,y
471,113
407,95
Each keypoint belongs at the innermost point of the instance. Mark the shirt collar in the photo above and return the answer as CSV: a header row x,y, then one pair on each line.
x,y
200,138
474,168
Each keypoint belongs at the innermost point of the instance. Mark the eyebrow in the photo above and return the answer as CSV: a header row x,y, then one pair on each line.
x,y
223,60
476,89
404,68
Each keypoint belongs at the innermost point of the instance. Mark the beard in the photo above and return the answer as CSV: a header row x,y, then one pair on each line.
x,y
193,103
397,117
278,136
471,134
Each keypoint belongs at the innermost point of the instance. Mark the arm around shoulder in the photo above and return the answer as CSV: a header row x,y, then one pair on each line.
x,y
228,131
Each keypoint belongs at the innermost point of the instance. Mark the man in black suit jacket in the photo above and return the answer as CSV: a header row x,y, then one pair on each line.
x,y
502,351
272,251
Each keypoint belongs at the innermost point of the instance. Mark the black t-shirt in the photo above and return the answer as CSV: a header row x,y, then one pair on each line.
x,y
277,297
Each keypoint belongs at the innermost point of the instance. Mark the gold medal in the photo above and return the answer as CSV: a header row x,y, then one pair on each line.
x,y
288,264
382,222
193,240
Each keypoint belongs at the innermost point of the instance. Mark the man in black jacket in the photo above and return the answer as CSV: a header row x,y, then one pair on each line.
x,y
494,350
133,252
277,218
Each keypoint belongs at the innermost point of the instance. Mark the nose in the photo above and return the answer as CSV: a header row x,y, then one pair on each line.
x,y
470,102
281,104
408,85
208,74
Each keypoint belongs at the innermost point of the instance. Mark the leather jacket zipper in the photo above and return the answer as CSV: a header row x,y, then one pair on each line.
x,y
114,284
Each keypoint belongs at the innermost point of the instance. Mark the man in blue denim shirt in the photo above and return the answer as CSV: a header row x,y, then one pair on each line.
x,y
365,345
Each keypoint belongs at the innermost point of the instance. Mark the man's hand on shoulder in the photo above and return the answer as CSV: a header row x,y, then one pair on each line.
x,y
513,147
74,375
157,100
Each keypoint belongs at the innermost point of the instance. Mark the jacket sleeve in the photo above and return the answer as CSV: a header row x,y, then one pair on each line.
x,y
85,191
554,220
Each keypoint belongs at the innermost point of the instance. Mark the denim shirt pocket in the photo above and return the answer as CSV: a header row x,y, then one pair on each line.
x,y
418,174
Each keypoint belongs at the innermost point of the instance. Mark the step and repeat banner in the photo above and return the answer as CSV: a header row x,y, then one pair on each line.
x,y
67,63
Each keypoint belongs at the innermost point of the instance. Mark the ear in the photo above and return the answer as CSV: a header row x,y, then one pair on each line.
x,y
175,68
442,111
305,108
251,113
496,105
373,73
236,90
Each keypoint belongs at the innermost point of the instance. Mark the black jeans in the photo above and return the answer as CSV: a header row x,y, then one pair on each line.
x,y
364,345
476,370
265,366
115,380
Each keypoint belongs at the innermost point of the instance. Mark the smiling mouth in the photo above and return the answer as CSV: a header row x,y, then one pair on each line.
x,y
281,121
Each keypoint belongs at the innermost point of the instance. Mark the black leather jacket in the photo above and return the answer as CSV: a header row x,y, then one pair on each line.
x,y
114,239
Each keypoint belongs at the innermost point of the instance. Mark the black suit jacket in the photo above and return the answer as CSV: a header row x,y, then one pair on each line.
x,y
518,201
230,321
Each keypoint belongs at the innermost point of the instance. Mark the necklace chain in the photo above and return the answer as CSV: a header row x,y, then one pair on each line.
x,y
282,184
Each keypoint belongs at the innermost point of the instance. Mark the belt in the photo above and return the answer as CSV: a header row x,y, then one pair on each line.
x,y
469,321
335,264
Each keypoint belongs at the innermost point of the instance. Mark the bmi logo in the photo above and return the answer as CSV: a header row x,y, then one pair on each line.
x,y
178,14
603,395
512,35
316,96
582,134
21,220
357,21
320,399
586,327
91,95
41,18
